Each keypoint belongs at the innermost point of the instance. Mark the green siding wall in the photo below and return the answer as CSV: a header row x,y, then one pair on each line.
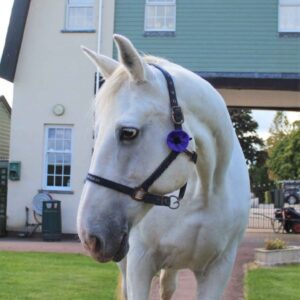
x,y
216,36
4,131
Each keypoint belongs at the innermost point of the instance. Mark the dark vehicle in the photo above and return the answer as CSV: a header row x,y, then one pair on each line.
x,y
291,191
289,217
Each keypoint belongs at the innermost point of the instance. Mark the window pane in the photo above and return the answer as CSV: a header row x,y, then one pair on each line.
x,y
58,180
68,133
161,1
50,169
67,170
150,11
59,145
170,11
59,133
150,22
51,133
51,144
80,18
290,18
59,159
160,11
50,180
51,158
81,2
67,159
159,23
67,145
170,23
66,181
59,170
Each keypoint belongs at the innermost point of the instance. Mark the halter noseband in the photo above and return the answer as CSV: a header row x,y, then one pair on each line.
x,y
177,141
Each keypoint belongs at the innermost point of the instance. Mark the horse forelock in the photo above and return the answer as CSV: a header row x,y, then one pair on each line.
x,y
114,83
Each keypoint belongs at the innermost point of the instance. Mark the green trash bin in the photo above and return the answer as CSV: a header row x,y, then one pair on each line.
x,y
51,221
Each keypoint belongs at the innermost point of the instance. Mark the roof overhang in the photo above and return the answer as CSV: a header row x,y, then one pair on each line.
x,y
253,81
13,42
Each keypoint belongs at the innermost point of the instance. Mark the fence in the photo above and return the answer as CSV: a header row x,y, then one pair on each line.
x,y
263,207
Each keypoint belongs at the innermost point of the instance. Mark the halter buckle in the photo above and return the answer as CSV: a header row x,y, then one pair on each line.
x,y
177,115
174,202
139,194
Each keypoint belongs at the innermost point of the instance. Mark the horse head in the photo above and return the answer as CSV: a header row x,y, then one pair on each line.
x,y
132,122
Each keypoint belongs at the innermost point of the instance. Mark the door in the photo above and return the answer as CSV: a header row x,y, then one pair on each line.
x,y
3,196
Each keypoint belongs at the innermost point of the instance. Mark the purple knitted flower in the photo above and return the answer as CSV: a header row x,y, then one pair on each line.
x,y
178,140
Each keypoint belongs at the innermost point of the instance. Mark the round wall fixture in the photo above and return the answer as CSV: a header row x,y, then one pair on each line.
x,y
58,109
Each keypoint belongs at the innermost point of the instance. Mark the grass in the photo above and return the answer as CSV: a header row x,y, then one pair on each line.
x,y
32,275
275,283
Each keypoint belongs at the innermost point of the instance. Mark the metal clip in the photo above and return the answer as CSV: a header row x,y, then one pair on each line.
x,y
139,194
174,202
177,115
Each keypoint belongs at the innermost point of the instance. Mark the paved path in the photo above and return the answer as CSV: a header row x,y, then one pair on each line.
x,y
187,283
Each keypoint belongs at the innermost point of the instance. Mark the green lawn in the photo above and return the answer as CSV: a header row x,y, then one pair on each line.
x,y
280,283
30,275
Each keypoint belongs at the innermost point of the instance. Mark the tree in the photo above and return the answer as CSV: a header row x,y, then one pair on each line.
x,y
284,148
284,157
259,175
279,128
245,127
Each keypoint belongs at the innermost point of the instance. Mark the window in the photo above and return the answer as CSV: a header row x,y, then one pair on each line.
x,y
160,15
80,15
58,142
289,16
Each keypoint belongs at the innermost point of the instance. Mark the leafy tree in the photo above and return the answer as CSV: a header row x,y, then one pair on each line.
x,y
245,127
284,157
279,128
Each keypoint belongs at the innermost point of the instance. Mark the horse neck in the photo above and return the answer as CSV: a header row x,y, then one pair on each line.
x,y
209,122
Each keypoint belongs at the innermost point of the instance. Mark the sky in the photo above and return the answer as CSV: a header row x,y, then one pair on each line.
x,y
263,117
6,88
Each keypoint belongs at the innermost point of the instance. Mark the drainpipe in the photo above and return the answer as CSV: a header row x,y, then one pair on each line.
x,y
99,36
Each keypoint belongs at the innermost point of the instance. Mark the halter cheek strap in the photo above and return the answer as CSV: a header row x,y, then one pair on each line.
x,y
177,141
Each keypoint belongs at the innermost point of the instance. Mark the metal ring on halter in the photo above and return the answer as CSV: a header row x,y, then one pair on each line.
x,y
174,202
139,194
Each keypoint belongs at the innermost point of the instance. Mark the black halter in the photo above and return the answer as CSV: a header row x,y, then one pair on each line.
x,y
177,141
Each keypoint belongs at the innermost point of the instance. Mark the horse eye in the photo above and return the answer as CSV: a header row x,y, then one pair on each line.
x,y
128,133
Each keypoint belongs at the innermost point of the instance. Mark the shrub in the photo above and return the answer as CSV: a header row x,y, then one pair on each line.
x,y
275,244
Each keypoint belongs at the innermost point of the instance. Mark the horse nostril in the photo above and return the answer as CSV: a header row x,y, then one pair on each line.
x,y
94,243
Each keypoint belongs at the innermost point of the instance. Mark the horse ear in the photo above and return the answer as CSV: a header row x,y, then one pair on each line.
x,y
106,65
130,58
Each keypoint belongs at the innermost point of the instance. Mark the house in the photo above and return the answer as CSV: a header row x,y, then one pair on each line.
x,y
5,116
52,120
249,50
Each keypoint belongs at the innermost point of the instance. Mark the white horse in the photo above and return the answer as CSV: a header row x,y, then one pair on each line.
x,y
132,114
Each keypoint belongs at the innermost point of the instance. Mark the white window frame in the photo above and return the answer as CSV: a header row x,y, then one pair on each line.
x,y
46,152
78,5
154,3
286,3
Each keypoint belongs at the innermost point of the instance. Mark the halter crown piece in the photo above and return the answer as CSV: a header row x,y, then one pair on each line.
x,y
177,141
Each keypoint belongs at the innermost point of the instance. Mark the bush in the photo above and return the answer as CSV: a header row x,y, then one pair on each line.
x,y
275,244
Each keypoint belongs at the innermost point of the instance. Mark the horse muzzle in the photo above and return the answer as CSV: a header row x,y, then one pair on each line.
x,y
99,250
